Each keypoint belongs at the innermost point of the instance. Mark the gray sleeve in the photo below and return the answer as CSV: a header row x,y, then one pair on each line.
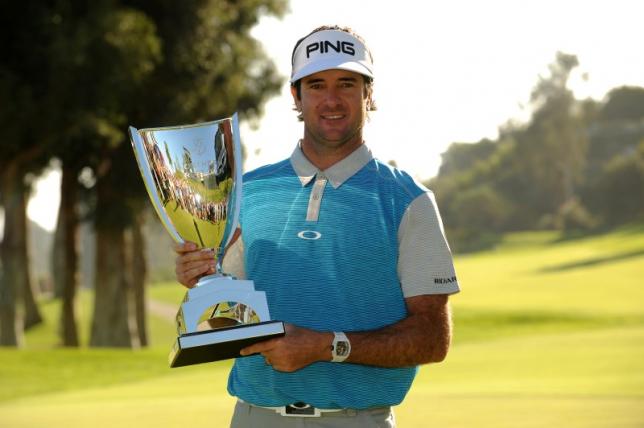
x,y
233,262
425,264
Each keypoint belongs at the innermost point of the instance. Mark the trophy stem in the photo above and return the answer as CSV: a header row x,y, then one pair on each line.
x,y
219,256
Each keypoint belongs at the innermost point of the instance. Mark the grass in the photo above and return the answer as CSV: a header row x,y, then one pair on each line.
x,y
168,292
44,367
548,332
583,379
44,336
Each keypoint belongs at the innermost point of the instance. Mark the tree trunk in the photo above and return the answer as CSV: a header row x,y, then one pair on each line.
x,y
114,323
32,312
11,281
57,260
68,274
139,276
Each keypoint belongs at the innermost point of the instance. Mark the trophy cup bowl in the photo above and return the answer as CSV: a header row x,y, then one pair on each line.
x,y
193,176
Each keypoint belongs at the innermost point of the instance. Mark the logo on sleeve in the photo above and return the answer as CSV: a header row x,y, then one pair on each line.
x,y
445,280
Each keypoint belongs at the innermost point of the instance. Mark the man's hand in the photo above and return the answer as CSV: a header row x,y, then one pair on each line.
x,y
192,263
422,337
297,349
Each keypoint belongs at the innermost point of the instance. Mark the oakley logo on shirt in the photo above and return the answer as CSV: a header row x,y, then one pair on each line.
x,y
309,235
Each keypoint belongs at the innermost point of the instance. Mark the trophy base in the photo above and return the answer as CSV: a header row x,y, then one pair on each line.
x,y
220,344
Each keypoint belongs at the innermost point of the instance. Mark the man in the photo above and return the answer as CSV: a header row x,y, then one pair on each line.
x,y
351,255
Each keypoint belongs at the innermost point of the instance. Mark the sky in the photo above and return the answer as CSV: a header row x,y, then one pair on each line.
x,y
445,71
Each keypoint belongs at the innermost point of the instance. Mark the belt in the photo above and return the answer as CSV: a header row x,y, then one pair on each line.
x,y
299,409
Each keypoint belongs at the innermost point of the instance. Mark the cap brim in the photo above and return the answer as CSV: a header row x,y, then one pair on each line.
x,y
332,64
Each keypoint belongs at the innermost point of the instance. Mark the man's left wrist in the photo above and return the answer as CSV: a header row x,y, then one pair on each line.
x,y
340,348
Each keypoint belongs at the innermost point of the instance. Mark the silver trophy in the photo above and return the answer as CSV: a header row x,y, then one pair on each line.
x,y
193,176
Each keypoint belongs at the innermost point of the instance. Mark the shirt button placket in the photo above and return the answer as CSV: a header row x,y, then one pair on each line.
x,y
315,199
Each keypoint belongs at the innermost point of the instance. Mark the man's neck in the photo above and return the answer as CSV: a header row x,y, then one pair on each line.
x,y
324,157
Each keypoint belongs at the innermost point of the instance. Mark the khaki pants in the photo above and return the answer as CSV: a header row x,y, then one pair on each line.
x,y
247,416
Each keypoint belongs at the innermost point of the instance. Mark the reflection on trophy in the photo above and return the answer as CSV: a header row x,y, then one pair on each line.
x,y
193,177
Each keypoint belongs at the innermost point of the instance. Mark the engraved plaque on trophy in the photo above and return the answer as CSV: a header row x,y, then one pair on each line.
x,y
193,177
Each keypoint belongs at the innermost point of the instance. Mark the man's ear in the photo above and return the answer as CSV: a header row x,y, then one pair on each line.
x,y
368,97
298,102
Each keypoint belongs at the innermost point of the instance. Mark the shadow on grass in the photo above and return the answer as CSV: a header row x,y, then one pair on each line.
x,y
476,325
594,261
624,229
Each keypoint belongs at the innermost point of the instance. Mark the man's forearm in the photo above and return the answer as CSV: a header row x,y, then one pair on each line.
x,y
423,337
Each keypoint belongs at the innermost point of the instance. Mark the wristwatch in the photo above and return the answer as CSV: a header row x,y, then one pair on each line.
x,y
341,347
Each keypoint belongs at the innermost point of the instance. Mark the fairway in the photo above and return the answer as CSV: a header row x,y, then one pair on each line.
x,y
548,333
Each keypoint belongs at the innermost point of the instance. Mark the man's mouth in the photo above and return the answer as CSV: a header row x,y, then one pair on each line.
x,y
332,116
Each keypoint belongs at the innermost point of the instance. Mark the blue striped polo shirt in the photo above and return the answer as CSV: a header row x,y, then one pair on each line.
x,y
325,251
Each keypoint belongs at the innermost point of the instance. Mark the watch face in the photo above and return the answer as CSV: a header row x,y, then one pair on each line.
x,y
341,349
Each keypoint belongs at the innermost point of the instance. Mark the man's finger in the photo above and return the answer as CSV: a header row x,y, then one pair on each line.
x,y
190,276
257,348
200,256
185,247
190,267
197,266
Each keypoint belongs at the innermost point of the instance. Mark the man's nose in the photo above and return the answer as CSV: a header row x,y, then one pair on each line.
x,y
332,96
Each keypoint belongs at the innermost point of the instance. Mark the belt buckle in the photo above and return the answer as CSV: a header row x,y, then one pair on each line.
x,y
300,409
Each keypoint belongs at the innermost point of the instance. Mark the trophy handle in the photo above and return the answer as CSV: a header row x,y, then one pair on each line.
x,y
139,152
236,197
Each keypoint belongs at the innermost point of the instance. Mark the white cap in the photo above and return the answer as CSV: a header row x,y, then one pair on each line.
x,y
331,50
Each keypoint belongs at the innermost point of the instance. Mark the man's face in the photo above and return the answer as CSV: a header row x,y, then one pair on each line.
x,y
333,105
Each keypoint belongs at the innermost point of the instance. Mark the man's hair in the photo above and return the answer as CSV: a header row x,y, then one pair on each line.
x,y
368,81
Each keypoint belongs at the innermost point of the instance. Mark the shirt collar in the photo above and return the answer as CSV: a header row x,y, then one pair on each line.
x,y
337,173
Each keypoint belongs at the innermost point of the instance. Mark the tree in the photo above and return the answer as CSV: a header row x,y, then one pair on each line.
x,y
623,103
65,248
463,156
82,74
12,253
618,128
532,172
616,194
552,149
615,158
21,153
99,55
196,80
